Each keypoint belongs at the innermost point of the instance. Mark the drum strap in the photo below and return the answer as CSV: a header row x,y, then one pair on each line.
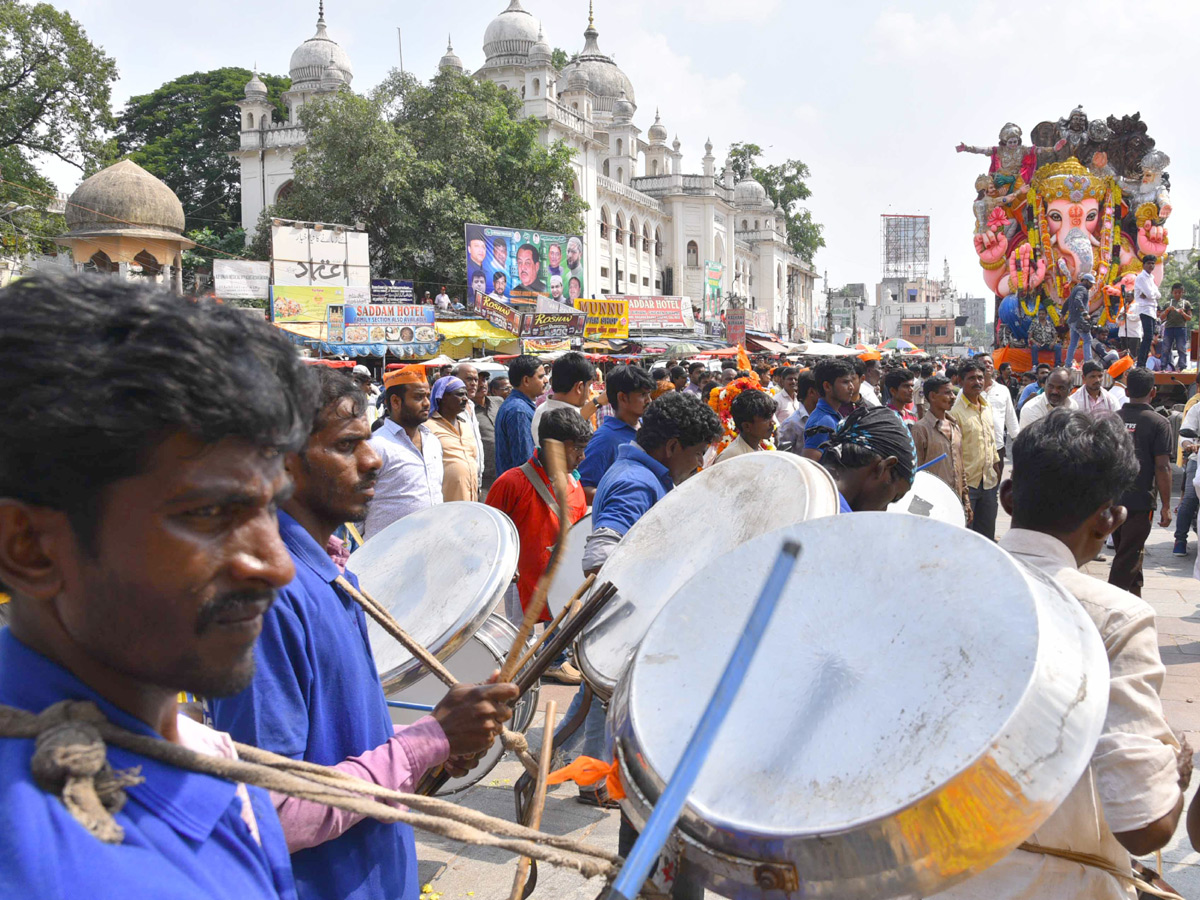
x,y
1099,862
540,486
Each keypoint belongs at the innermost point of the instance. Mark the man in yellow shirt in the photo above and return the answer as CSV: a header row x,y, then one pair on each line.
x,y
981,462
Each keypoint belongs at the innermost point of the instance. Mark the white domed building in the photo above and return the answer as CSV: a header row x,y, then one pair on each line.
x,y
650,228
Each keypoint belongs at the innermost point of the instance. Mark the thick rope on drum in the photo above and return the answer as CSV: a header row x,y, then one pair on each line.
x,y
71,762
513,741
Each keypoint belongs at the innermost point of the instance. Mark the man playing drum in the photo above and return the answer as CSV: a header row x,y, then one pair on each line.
x,y
1069,470
316,694
872,458
141,440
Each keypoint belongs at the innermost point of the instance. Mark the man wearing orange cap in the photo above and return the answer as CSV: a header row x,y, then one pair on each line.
x,y
1117,372
411,476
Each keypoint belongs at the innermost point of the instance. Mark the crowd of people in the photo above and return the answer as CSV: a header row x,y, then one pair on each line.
x,y
173,480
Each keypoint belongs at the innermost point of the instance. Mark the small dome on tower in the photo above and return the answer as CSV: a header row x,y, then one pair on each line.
x,y
540,52
676,144
750,193
332,78
623,110
450,60
512,33
607,81
255,89
314,56
658,131
578,81
125,198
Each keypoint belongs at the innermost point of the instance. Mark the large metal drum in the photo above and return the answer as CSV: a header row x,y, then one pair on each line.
x,y
569,574
920,704
932,498
440,572
709,514
473,663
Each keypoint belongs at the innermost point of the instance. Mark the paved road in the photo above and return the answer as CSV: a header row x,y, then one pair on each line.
x,y
455,872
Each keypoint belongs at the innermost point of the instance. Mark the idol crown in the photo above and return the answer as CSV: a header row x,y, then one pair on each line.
x,y
1069,179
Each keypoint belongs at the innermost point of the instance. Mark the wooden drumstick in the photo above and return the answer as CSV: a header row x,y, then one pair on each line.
x,y
556,467
539,796
524,661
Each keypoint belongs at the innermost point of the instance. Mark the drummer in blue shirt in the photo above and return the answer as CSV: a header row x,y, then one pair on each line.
x,y
872,457
141,440
316,694
835,380
628,389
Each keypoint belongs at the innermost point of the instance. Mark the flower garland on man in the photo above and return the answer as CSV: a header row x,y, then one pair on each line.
x,y
747,414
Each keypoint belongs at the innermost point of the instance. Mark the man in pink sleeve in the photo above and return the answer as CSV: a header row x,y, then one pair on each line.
x,y
316,695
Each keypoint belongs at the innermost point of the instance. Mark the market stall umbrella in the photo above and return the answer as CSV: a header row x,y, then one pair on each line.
x,y
897,344
682,349
820,348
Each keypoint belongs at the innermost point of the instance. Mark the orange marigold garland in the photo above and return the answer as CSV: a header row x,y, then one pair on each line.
x,y
722,404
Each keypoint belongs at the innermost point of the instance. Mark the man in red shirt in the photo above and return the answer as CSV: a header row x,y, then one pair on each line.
x,y
533,505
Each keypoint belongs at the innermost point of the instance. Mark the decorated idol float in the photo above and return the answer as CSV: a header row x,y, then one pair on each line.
x,y
1083,196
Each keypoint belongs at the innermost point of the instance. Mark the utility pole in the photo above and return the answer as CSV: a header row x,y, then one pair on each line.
x,y
828,309
400,41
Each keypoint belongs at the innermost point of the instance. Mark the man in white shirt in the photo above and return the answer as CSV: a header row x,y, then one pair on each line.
x,y
442,300
870,380
1092,398
1004,412
790,435
1145,305
786,398
1057,395
1068,472
411,476
570,384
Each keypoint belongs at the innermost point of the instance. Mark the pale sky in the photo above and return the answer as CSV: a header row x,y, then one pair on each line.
x,y
872,96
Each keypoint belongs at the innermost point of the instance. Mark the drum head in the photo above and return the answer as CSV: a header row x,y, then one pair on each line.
x,y
709,514
440,572
932,498
569,574
920,703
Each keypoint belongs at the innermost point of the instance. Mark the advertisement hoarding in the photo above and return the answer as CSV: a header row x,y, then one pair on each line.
x,y
498,313
735,326
553,325
713,273
538,346
607,319
384,290
331,255
302,303
391,323
661,313
521,264
240,279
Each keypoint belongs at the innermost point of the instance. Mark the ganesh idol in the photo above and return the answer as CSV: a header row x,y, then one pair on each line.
x,y
1072,225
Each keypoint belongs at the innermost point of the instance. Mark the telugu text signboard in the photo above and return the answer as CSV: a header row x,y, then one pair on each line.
x,y
661,313
607,319
320,257
240,279
520,264
498,313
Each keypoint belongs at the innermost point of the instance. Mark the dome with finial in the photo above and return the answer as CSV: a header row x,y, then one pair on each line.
x,y
314,56
749,193
450,60
125,199
708,146
332,79
255,89
511,34
676,144
658,131
578,81
540,52
623,110
604,75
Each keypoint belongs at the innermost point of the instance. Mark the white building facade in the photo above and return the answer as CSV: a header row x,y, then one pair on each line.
x,y
650,227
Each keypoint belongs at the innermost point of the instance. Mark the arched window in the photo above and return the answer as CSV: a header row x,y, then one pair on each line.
x,y
249,120
658,247
606,168
522,92
745,225
620,229
103,264
151,267
620,146
575,106
284,190
654,167
633,232
779,278
645,238
604,222
693,254
537,87
756,221
620,174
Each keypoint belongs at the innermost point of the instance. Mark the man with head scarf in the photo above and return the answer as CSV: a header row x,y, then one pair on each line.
x,y
872,458
460,456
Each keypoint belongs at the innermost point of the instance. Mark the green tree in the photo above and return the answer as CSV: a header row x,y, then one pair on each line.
x,y
183,131
414,162
559,59
54,85
787,186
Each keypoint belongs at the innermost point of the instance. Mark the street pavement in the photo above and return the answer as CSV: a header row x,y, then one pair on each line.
x,y
454,872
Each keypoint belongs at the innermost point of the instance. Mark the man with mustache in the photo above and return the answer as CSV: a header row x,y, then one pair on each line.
x,y
316,695
141,460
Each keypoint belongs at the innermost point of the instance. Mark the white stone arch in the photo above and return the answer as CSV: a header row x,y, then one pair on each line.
x,y
620,227
620,146
718,249
654,167
693,254
283,190
621,174
658,242
779,277
633,231
605,218
645,237
537,87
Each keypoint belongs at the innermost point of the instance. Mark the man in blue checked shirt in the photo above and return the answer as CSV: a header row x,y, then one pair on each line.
x,y
514,421
141,463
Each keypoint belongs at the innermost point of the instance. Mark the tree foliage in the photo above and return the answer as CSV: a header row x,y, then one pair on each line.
x,y
54,85
416,161
182,133
787,186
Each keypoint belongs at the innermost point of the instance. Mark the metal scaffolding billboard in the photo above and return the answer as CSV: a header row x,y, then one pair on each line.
x,y
904,246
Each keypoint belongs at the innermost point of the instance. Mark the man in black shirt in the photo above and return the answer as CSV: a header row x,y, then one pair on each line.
x,y
1152,443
